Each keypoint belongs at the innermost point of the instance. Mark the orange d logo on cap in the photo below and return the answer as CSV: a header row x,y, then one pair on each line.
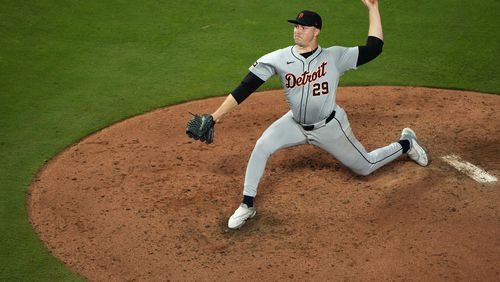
x,y
307,18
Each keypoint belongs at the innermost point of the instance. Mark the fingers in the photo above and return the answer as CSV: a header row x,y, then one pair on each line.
x,y
210,136
370,3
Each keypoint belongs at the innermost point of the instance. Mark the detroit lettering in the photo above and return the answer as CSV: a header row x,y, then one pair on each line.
x,y
306,77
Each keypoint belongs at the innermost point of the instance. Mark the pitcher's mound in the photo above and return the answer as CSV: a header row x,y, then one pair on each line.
x,y
141,201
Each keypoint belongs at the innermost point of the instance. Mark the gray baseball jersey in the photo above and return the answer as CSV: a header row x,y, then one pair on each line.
x,y
310,84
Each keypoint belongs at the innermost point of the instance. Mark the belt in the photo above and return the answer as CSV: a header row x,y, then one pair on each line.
x,y
309,127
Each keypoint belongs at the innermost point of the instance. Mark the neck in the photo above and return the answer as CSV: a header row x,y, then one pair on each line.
x,y
305,49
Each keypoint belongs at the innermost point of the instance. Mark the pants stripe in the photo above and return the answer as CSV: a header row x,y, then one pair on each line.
x,y
343,131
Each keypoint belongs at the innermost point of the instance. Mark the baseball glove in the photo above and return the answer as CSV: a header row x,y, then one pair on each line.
x,y
201,127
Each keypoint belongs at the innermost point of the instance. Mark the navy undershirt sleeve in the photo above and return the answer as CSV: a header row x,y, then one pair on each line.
x,y
370,51
249,84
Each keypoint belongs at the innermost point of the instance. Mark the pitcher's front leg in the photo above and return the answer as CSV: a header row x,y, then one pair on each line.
x,y
283,133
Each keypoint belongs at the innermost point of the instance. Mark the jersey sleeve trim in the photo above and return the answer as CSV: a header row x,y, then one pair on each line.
x,y
259,75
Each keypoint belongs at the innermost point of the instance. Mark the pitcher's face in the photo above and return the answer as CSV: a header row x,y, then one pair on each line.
x,y
305,36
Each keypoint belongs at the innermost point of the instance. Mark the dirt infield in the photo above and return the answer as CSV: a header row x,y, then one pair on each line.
x,y
140,201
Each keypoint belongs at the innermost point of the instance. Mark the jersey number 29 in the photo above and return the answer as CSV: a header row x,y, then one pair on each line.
x,y
320,88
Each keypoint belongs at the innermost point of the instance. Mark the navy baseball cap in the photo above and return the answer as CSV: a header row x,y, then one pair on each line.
x,y
307,18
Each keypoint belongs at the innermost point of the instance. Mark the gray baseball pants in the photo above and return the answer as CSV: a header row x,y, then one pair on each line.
x,y
335,137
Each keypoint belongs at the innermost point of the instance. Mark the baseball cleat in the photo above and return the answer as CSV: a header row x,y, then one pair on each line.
x,y
240,216
417,152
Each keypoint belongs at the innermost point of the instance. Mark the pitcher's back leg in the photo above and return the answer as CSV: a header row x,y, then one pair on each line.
x,y
338,139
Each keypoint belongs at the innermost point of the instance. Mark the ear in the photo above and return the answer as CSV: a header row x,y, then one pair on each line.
x,y
316,32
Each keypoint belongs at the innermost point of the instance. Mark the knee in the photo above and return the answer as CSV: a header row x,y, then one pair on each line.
x,y
264,146
363,171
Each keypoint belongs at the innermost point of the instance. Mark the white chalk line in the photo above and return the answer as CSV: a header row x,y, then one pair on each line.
x,y
474,172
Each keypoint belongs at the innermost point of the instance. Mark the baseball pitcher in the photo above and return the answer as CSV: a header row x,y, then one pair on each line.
x,y
309,75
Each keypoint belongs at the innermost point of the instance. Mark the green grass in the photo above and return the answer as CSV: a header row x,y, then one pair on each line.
x,y
69,68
